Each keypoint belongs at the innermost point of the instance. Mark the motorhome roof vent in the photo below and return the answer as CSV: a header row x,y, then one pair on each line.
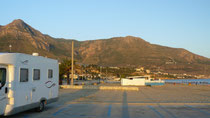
x,y
35,54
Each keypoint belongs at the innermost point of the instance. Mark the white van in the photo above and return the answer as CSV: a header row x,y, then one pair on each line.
x,y
27,82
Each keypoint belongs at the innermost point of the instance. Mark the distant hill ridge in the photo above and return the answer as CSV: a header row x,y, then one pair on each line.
x,y
116,51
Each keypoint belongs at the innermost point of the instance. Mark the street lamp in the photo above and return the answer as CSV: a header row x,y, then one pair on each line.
x,y
10,48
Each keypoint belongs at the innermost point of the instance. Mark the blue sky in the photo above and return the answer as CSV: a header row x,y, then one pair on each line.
x,y
174,23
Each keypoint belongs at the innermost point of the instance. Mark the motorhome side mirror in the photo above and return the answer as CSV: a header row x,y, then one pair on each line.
x,y
6,90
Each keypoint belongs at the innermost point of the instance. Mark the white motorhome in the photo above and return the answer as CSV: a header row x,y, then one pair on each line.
x,y
27,82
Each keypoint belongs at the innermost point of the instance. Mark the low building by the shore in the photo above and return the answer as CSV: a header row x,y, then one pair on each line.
x,y
141,81
136,81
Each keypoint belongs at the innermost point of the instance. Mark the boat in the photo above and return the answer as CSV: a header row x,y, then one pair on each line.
x,y
152,81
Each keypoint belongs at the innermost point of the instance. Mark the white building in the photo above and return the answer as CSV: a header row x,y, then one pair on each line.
x,y
136,81
141,81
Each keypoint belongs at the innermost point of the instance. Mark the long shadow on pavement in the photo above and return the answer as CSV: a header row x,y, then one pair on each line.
x,y
125,112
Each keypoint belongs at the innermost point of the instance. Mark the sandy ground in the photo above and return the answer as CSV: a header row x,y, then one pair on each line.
x,y
173,101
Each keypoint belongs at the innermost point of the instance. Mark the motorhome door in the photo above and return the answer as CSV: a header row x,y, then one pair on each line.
x,y
3,89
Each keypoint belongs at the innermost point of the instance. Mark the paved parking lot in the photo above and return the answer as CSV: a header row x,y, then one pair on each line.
x,y
161,102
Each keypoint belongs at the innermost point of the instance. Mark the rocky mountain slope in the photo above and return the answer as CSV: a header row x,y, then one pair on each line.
x,y
117,51
133,51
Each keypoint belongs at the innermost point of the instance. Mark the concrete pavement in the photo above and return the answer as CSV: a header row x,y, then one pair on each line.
x,y
180,101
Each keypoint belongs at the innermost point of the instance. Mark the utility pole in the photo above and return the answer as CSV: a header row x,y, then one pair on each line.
x,y
82,71
106,73
85,72
72,64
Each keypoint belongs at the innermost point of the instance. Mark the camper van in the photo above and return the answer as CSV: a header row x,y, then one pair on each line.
x,y
27,82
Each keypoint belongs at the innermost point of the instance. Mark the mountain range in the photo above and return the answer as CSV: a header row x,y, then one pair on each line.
x,y
126,51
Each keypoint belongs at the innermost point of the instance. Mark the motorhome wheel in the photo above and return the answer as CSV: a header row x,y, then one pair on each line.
x,y
41,106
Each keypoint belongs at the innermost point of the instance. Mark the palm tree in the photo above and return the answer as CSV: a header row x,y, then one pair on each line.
x,y
65,69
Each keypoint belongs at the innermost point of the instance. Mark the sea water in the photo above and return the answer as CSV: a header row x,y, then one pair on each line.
x,y
186,81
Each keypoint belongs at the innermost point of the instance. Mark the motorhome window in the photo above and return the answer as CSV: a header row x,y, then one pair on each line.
x,y
36,75
50,73
23,75
2,77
